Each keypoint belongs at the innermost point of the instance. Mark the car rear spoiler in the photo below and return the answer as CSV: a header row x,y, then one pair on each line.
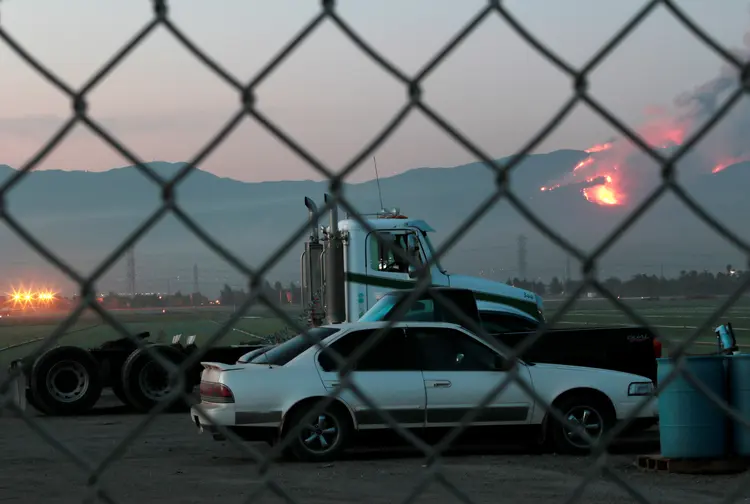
x,y
220,366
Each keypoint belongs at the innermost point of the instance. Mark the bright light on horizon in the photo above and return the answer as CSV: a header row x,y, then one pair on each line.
x,y
30,298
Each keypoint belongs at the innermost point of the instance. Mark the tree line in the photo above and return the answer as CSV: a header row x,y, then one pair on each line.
x,y
276,293
688,283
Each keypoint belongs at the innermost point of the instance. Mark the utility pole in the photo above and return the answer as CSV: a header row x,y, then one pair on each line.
x,y
522,257
130,255
196,288
567,269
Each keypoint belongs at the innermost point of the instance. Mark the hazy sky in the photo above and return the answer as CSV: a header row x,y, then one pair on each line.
x,y
163,104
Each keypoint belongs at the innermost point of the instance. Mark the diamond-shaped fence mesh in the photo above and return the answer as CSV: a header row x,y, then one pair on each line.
x,y
347,382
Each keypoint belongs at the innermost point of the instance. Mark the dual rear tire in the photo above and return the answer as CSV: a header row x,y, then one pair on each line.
x,y
144,383
64,381
67,380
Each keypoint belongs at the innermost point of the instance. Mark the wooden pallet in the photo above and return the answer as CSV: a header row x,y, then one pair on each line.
x,y
659,463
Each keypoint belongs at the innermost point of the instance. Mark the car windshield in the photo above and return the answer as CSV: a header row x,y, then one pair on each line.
x,y
422,310
288,350
380,309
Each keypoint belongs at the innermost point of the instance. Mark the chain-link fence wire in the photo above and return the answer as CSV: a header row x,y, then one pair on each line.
x,y
256,276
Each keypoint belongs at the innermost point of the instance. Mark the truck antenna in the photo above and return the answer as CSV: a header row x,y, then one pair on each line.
x,y
377,180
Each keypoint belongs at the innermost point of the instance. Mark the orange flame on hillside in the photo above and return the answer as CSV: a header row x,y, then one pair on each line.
x,y
599,148
604,194
720,166
586,162
611,172
608,162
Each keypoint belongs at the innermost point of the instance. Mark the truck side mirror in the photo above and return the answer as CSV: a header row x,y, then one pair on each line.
x,y
413,273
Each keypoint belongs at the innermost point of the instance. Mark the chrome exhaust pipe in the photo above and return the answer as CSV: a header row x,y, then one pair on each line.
x,y
312,209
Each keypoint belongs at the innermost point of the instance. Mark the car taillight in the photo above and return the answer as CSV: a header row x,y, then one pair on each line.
x,y
216,392
657,349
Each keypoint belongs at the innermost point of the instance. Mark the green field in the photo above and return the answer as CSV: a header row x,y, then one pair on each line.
x,y
90,331
675,320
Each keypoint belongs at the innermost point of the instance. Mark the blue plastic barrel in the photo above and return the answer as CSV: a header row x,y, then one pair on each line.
x,y
739,393
690,424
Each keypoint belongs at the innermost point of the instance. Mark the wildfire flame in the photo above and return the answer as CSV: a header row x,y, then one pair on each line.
x,y
608,171
603,194
728,162
604,161
586,162
599,148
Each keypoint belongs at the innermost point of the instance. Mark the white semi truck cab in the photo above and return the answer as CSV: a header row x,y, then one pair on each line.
x,y
346,270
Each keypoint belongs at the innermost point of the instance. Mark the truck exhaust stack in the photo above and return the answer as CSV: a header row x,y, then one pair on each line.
x,y
335,290
312,208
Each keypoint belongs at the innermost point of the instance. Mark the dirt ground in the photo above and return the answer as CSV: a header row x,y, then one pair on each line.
x,y
172,463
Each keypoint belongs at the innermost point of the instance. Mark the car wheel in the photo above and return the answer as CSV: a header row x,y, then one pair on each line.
x,y
322,439
593,414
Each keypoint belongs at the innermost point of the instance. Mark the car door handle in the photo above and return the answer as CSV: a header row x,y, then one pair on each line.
x,y
438,383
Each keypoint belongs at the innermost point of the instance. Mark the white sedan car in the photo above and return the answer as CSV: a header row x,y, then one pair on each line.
x,y
426,376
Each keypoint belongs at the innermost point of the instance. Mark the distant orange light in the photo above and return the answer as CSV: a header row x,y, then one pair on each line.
x,y
28,298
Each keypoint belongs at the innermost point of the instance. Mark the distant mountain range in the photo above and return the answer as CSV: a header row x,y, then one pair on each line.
x,y
84,215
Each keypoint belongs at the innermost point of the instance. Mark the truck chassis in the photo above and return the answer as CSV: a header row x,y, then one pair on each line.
x,y
69,380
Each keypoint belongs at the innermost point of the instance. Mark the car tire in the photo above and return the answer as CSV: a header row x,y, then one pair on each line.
x,y
145,383
595,413
65,381
325,439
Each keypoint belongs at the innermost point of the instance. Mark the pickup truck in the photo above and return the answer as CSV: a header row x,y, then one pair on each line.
x,y
631,350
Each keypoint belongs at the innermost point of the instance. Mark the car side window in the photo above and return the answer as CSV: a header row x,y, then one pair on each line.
x,y
444,349
506,323
394,352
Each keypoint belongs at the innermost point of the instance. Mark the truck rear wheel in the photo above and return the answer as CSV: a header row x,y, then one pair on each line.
x,y
145,383
65,381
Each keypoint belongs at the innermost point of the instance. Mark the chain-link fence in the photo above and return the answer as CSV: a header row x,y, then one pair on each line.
x,y
256,275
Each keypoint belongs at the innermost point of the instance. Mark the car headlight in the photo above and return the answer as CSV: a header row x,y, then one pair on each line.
x,y
640,388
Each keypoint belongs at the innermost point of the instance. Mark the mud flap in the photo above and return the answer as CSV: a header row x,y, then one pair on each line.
x,y
17,390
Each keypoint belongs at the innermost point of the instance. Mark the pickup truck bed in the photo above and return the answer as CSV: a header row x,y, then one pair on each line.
x,y
626,349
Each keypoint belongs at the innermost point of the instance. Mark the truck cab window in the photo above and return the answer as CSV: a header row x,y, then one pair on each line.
x,y
385,260
392,353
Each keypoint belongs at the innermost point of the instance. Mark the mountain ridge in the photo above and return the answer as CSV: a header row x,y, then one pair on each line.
x,y
84,215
